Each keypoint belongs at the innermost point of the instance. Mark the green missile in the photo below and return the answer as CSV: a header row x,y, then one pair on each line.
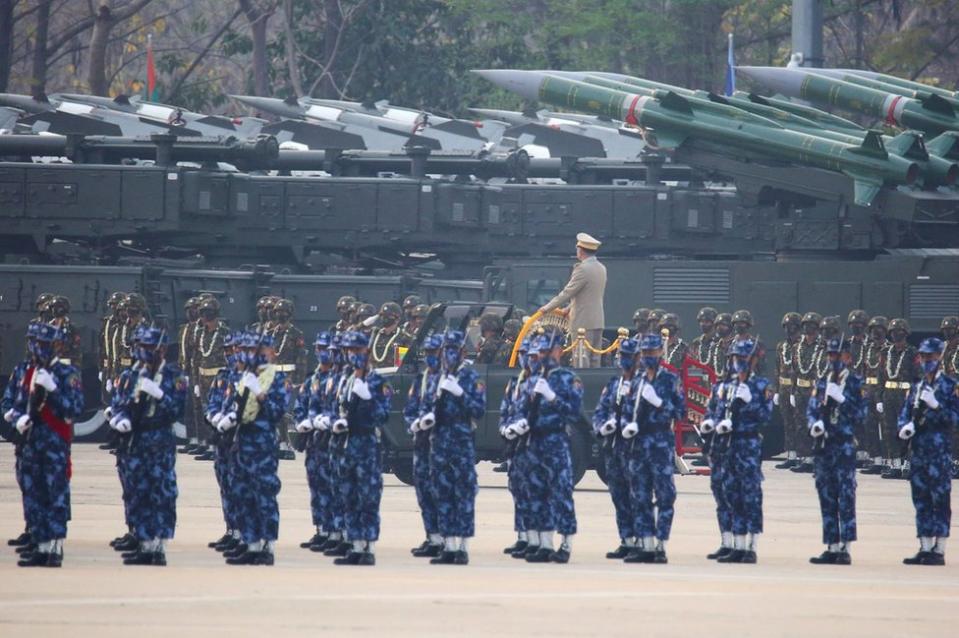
x,y
883,85
674,119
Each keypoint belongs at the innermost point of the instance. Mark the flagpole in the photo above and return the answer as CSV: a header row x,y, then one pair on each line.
x,y
730,68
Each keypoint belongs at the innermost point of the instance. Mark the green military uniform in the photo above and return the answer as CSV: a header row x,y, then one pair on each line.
x,y
386,337
784,386
901,366
209,333
807,357
290,359
134,309
674,348
186,346
855,336
701,349
105,358
873,372
491,329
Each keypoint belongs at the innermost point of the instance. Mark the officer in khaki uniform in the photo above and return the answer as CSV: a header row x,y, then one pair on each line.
x,y
873,371
582,298
290,359
784,384
901,366
208,337
809,352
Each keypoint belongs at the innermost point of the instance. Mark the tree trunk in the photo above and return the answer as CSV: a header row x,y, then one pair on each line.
x,y
331,32
6,42
97,70
291,63
259,20
38,79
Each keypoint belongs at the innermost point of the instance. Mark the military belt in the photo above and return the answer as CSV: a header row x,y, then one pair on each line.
x,y
68,362
208,372
804,383
288,367
872,380
785,381
126,361
898,385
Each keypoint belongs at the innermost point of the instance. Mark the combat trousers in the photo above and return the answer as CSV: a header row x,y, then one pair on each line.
x,y
337,450
743,483
422,484
318,478
453,478
516,483
616,460
224,473
803,440
650,466
19,470
931,481
256,483
361,486
836,485
550,484
792,424
201,428
872,433
123,474
717,477
152,482
46,483
892,402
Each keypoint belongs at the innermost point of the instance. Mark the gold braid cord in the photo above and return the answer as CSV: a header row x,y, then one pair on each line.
x,y
581,339
559,321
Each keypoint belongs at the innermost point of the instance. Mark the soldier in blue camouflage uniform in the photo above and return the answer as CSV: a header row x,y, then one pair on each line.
x,y
717,455
419,402
550,402
146,411
516,455
748,410
656,399
222,442
314,425
50,398
336,544
11,392
611,415
835,412
460,400
927,420
261,398
363,410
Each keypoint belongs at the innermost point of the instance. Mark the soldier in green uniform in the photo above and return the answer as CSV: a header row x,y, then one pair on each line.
x,y
386,336
40,305
674,348
901,367
491,330
264,312
855,335
949,328
873,371
361,314
511,330
724,338
344,308
409,303
702,346
185,351
412,325
108,327
134,310
655,316
784,384
71,351
808,353
290,359
207,360
641,322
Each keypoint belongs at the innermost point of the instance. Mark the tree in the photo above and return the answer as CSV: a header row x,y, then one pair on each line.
x,y
258,14
106,19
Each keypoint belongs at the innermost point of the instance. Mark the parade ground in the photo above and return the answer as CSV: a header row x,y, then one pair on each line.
x,y
305,594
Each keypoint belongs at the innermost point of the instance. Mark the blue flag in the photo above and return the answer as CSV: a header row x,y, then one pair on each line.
x,y
730,69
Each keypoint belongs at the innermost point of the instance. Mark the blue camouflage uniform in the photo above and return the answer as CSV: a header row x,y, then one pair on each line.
x,y
452,449
835,460
931,476
151,450
311,402
717,457
517,453
10,394
652,453
122,390
45,457
222,441
337,449
743,477
419,402
613,405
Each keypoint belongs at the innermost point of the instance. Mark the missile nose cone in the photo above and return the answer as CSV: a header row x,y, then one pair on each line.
x,y
782,80
523,83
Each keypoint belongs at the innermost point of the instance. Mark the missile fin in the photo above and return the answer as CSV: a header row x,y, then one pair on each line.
x,y
675,102
865,189
937,104
667,138
908,144
872,146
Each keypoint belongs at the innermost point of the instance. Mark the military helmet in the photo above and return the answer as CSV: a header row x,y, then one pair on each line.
x,y
343,303
724,318
356,339
812,317
743,316
391,312
59,306
857,316
364,311
209,303
547,341
433,342
136,301
115,299
878,322
899,324
949,322
511,328
264,302
932,345
43,299
283,305
410,302
641,315
192,302
655,316
491,323
670,320
323,339
707,313
793,319
628,346
454,339
420,311
830,323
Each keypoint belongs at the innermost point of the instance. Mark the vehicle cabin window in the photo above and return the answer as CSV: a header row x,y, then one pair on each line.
x,y
540,291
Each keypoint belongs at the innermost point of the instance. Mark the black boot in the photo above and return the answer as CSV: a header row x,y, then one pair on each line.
x,y
156,559
239,550
735,556
252,558
638,555
448,557
619,553
826,558
310,543
873,468
227,545
934,558
529,550
29,548
918,559
214,544
319,544
787,464
749,556
843,558
427,550
719,553
356,558
502,467
892,473
20,541
127,543
41,559
560,556
341,549
206,456
542,555
804,467
286,455
518,546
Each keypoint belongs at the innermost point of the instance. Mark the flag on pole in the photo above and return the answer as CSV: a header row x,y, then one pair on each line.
x,y
151,71
730,69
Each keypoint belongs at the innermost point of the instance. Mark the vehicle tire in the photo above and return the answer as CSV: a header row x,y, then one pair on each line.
x,y
581,449
403,469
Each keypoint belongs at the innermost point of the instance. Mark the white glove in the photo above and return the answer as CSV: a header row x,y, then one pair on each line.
x,y
108,412
817,429
151,387
776,399
879,407
123,425
196,390
216,419
649,395
109,385
707,426
10,415
834,392
792,400
251,383
907,431
724,427
452,386
340,426
542,388
608,428
228,422
427,421
509,432
321,422
631,430
519,428
743,393
43,378
361,389
304,426
100,376
114,419
414,427
24,423
928,396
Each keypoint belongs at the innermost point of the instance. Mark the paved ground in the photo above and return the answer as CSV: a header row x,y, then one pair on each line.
x,y
197,595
